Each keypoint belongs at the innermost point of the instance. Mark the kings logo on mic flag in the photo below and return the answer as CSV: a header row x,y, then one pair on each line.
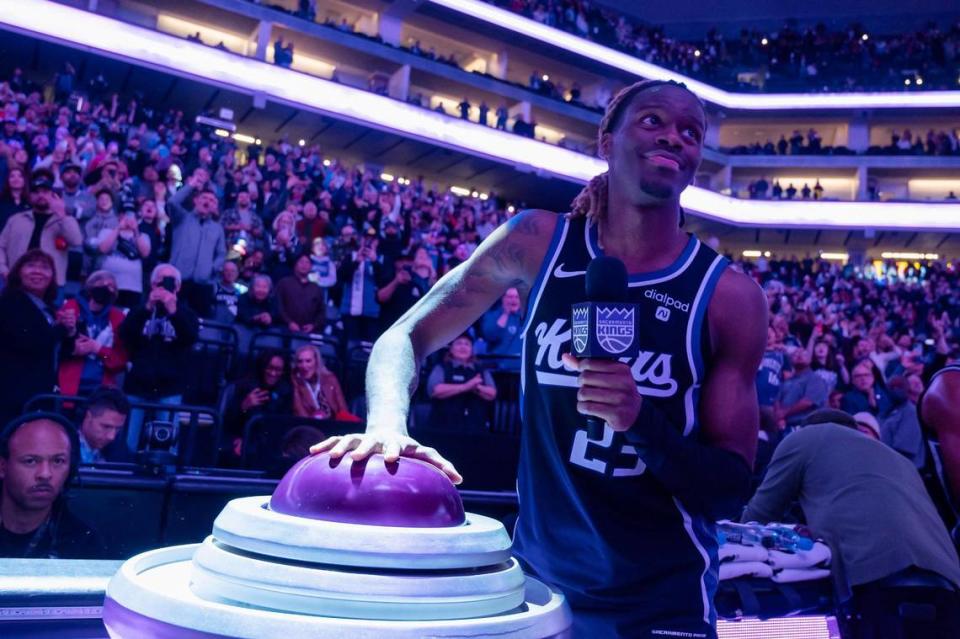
x,y
616,328
604,329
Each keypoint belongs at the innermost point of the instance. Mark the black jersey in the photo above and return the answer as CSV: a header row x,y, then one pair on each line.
x,y
592,522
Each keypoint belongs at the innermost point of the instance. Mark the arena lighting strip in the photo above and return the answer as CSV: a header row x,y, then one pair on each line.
x,y
746,101
102,35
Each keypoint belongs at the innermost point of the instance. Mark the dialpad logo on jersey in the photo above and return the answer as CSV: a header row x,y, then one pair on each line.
x,y
651,370
662,314
615,328
581,329
666,300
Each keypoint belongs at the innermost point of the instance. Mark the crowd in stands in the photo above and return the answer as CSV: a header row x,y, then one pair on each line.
x,y
860,342
126,230
933,143
810,58
940,143
762,190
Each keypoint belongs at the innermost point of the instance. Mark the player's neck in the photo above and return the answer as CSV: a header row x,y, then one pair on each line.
x,y
645,237
18,520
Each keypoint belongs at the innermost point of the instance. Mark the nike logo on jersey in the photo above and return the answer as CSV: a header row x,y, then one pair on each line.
x,y
559,272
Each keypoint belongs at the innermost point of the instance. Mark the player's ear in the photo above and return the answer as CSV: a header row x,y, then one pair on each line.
x,y
606,145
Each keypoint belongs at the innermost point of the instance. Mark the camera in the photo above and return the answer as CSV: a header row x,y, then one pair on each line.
x,y
169,283
162,436
158,456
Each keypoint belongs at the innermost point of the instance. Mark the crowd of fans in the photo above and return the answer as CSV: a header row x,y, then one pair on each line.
x,y
933,143
860,342
125,230
124,227
716,61
761,189
812,58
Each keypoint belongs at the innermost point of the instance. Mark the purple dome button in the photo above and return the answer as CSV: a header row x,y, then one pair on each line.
x,y
409,492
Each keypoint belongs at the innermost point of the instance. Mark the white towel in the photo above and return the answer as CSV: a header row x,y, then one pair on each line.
x,y
735,569
736,552
817,557
790,575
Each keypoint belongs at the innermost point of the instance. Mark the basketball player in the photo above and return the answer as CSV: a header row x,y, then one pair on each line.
x,y
623,525
938,413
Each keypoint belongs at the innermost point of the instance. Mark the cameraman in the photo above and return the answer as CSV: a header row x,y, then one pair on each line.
x,y
159,336
400,289
359,307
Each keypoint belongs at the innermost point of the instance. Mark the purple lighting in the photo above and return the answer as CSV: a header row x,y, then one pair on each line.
x,y
408,493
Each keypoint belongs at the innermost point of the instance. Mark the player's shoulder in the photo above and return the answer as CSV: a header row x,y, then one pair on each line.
x,y
737,290
738,310
532,230
941,395
534,222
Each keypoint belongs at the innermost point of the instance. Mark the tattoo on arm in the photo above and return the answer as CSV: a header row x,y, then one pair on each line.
x,y
497,267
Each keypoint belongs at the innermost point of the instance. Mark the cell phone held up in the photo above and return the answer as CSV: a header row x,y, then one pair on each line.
x,y
169,283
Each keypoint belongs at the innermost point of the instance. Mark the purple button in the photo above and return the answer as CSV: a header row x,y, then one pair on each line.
x,y
408,492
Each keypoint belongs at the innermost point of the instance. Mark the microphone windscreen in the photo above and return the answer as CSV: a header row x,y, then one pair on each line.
x,y
606,280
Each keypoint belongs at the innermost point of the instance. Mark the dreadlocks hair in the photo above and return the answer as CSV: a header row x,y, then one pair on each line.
x,y
592,200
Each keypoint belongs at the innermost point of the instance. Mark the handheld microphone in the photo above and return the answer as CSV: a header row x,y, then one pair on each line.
x,y
605,326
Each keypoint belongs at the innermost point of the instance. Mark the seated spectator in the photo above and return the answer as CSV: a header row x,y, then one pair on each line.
x,y
31,332
294,446
104,418
773,367
803,393
257,308
45,226
159,336
123,250
501,326
300,302
251,266
460,392
866,394
266,391
868,425
835,400
829,365
98,356
851,488
316,390
226,294
38,453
